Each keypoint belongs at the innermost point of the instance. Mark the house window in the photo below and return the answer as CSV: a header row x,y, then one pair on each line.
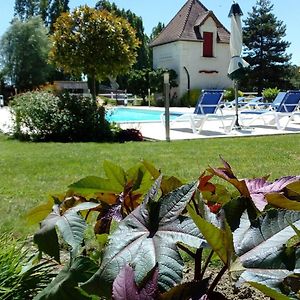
x,y
207,44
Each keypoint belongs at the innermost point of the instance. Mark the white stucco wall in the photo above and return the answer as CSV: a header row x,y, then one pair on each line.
x,y
180,54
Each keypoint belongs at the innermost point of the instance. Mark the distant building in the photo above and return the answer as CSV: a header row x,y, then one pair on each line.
x,y
196,45
74,87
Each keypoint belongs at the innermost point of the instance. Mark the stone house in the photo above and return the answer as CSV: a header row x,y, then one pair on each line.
x,y
196,45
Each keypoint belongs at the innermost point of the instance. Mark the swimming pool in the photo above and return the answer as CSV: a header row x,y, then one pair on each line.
x,y
125,115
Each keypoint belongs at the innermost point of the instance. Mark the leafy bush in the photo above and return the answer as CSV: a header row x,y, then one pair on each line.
x,y
142,219
270,94
43,116
127,135
20,278
194,96
229,94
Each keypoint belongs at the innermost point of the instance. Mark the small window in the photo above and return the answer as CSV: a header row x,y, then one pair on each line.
x,y
207,44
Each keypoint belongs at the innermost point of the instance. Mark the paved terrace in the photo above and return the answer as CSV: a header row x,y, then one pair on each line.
x,y
182,131
212,128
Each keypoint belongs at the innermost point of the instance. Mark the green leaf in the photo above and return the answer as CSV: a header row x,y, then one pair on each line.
x,y
46,238
169,184
92,184
142,181
296,230
40,212
235,208
136,243
280,201
71,226
220,240
65,285
115,174
151,169
294,187
274,294
85,206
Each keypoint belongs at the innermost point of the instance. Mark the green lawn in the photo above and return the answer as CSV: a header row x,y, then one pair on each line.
x,y
32,171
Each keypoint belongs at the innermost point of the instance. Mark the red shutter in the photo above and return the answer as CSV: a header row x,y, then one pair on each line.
x,y
207,44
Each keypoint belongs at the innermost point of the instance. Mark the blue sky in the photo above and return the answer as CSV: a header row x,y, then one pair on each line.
x,y
154,11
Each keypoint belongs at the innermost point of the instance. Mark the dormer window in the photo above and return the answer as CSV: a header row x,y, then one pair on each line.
x,y
207,44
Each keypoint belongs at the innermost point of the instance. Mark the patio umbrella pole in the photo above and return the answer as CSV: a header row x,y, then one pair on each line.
x,y
167,105
237,63
237,125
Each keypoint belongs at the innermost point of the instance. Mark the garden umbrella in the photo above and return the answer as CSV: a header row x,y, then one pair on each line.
x,y
237,64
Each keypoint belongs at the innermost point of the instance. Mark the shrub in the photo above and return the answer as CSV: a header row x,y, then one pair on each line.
x,y
194,96
229,94
43,116
270,94
130,134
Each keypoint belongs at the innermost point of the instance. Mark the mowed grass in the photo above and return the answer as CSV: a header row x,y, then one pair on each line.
x,y
32,171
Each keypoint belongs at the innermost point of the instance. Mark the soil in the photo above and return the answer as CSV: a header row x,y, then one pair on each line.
x,y
227,287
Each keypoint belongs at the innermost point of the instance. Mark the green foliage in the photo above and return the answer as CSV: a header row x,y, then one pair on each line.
x,y
270,94
229,94
265,49
20,277
157,82
295,77
93,42
138,82
27,69
65,285
190,99
142,60
247,229
25,9
49,11
43,116
157,30
54,10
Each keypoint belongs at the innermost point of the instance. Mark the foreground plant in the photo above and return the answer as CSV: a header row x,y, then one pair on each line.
x,y
20,276
144,221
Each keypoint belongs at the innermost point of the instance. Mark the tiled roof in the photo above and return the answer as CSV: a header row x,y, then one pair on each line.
x,y
182,26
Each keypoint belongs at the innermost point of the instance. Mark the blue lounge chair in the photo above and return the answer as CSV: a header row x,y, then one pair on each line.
x,y
287,107
206,108
243,103
231,104
273,105
252,103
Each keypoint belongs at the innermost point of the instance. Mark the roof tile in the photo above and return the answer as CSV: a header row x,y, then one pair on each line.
x,y
182,26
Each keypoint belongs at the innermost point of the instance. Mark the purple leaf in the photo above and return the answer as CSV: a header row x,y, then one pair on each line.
x,y
259,187
125,288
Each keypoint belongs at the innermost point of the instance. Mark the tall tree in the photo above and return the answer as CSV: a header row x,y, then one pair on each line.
x,y
55,9
265,49
93,42
156,30
48,10
137,23
24,9
24,53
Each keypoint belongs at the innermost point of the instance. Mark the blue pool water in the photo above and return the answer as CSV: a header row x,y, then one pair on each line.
x,y
124,114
